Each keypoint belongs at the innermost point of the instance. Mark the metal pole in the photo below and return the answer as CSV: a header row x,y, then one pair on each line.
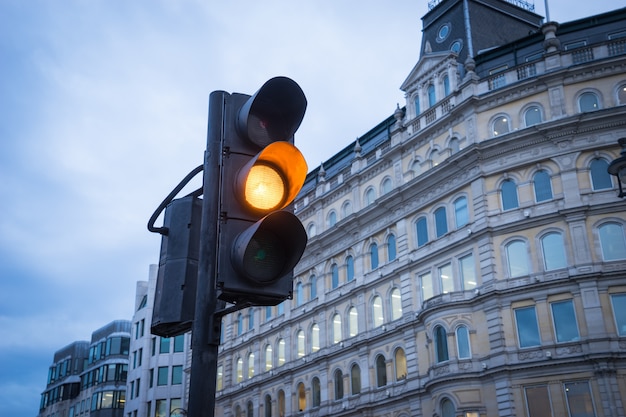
x,y
206,325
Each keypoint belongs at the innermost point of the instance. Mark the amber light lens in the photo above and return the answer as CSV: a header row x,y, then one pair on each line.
x,y
265,188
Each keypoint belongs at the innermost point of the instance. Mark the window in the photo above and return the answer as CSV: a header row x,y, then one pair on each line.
x,y
600,177
553,251
316,392
346,209
239,374
415,168
349,268
313,281
538,401
461,215
456,46
269,358
565,325
386,186
400,362
219,385
441,223
370,196
446,280
162,374
299,294
463,342
334,276
268,313
377,311
179,343
164,347
160,408
527,327
332,218
588,102
337,328
542,185
441,344
381,371
281,402
517,258
612,241
315,338
417,106
267,406
300,343
454,145
447,408
446,85
396,304
532,116
250,319
468,272
421,228
391,248
374,256
177,374
508,191
500,126
301,397
281,352
426,283
579,401
338,383
618,302
353,322
239,324
311,230
355,379
621,95
432,99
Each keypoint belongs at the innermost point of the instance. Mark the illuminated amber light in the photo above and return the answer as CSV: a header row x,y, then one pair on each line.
x,y
265,188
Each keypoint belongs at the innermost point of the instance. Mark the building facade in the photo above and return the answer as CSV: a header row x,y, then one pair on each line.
x,y
89,378
467,255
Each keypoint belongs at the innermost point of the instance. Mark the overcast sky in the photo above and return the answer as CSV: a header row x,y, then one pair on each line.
x,y
103,110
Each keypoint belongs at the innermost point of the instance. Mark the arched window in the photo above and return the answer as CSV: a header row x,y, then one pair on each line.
x,y
313,281
377,311
300,343
600,177
517,258
463,342
461,215
454,145
311,230
391,248
268,313
436,157
508,191
446,85
374,256
338,383
432,98
370,196
250,411
349,268
281,352
250,365
396,304
219,383
441,344
441,222
532,116
553,251
334,276
315,338
346,209
355,379
299,294
421,227
386,186
588,101
239,324
381,371
542,185
269,358
267,406
612,241
500,126
281,402
447,408
239,368
353,322
316,392
280,309
301,397
415,168
400,362
237,411
621,95
332,218
417,106
337,337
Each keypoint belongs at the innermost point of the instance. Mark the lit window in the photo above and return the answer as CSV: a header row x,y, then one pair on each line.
x,y
220,378
532,116
300,343
446,280
621,95
600,177
553,251
281,352
396,304
315,338
400,362
301,397
250,365
500,126
426,283
565,324
239,369
463,342
517,258
527,327
441,222
441,344
468,272
337,337
588,102
353,323
508,191
542,185
377,310
269,358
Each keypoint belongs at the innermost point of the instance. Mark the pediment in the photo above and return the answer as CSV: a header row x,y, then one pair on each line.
x,y
428,64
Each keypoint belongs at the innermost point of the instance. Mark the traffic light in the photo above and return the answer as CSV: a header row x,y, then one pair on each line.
x,y
260,240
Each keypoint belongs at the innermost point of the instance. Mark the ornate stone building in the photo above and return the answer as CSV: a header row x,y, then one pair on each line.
x,y
467,255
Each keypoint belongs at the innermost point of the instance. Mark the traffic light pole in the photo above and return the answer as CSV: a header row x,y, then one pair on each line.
x,y
206,325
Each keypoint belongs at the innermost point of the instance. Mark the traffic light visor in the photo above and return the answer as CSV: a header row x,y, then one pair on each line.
x,y
273,178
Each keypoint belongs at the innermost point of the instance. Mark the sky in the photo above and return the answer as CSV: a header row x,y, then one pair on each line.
x,y
103,110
